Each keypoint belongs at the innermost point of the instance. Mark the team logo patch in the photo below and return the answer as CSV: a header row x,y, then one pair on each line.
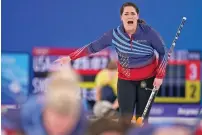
x,y
141,41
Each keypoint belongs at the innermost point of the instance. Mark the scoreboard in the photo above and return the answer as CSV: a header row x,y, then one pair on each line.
x,y
181,84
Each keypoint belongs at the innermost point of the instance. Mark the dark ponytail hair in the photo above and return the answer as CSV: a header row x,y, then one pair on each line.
x,y
141,21
135,7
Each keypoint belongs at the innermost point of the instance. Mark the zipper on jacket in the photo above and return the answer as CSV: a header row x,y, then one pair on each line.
x,y
131,42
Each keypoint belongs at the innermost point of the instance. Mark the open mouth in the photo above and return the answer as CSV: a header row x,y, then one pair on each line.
x,y
130,22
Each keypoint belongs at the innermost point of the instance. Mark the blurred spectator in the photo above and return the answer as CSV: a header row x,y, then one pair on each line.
x,y
198,130
57,112
175,130
162,129
106,84
11,122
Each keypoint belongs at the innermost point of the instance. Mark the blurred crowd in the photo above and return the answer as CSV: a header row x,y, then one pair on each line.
x,y
60,111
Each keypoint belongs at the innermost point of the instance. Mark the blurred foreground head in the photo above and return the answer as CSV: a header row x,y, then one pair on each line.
x,y
107,126
62,102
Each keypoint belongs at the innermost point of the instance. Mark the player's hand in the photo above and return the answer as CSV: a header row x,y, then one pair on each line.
x,y
157,83
63,60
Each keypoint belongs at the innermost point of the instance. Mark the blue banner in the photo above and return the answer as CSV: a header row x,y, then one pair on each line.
x,y
14,78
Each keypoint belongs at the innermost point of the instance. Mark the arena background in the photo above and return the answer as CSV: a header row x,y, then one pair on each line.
x,y
35,33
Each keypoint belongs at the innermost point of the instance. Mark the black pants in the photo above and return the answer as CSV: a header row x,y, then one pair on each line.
x,y
131,95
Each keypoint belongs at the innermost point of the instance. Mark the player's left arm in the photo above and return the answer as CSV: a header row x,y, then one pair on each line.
x,y
159,45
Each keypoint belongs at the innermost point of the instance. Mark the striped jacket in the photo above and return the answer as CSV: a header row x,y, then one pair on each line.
x,y
136,55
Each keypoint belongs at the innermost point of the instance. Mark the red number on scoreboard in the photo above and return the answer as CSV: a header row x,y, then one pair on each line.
x,y
193,70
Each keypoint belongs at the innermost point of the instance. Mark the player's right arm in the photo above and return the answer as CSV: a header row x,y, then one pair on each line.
x,y
93,47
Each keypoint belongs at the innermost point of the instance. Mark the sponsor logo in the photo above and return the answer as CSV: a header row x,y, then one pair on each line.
x,y
188,111
157,111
